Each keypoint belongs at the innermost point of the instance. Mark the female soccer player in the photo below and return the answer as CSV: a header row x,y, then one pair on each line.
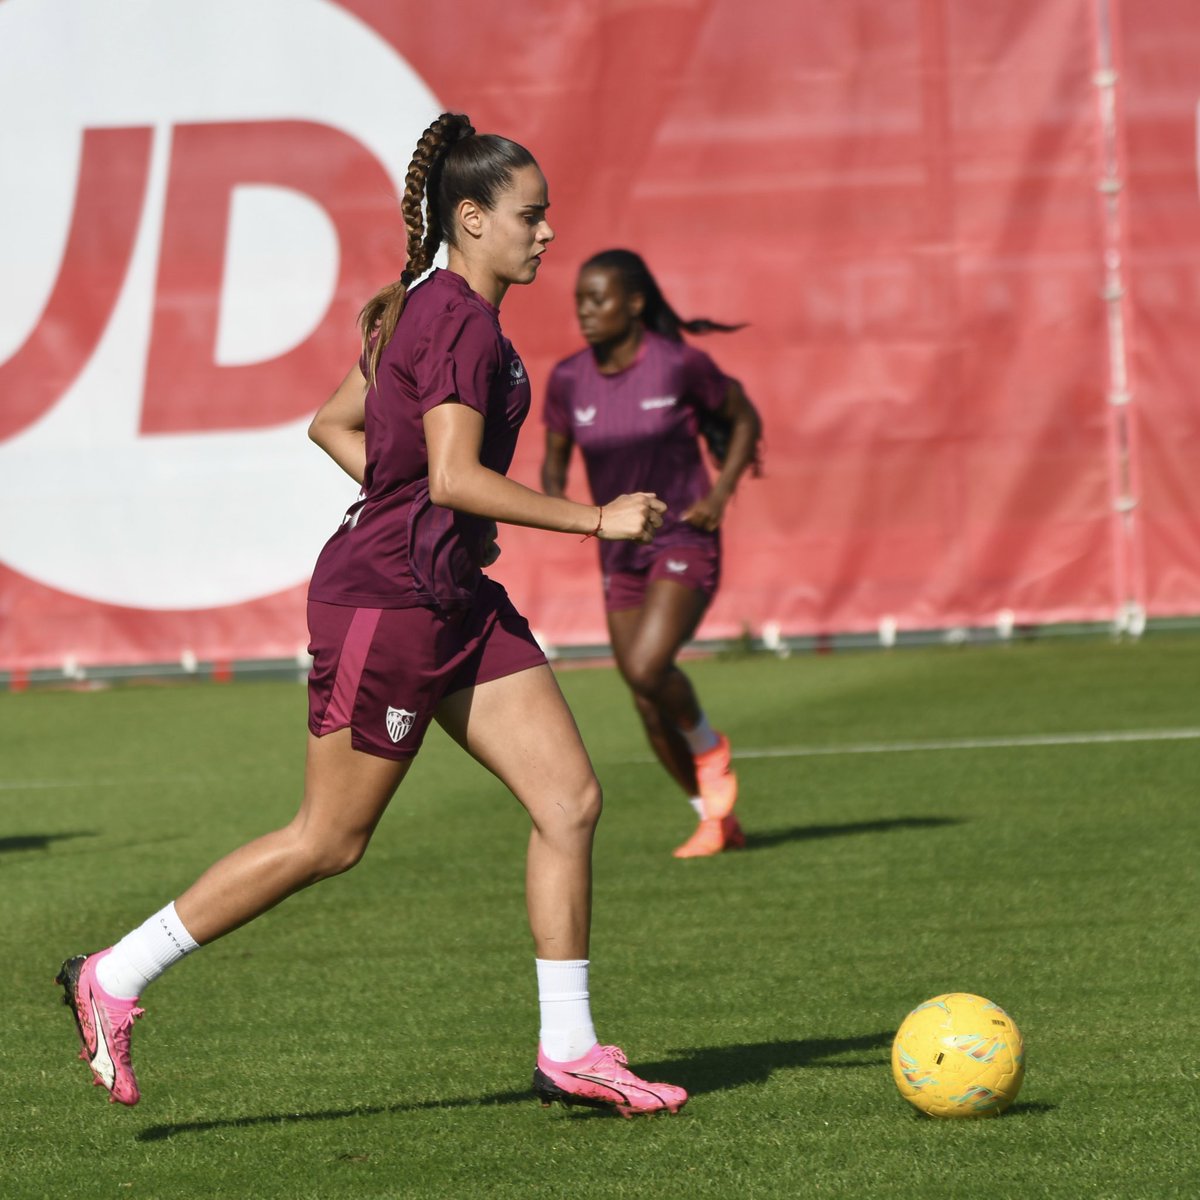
x,y
406,629
633,402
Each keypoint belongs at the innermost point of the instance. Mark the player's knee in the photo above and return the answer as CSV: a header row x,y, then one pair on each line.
x,y
565,815
587,805
331,856
645,677
582,811
344,855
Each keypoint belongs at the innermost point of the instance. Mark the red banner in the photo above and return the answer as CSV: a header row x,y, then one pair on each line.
x,y
964,240
1160,73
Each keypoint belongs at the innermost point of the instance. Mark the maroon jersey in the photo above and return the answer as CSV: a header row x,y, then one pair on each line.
x,y
395,547
637,433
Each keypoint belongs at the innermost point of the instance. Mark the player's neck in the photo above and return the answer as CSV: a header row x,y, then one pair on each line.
x,y
619,354
480,278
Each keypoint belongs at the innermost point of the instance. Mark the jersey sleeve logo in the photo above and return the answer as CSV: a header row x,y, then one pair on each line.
x,y
399,722
516,372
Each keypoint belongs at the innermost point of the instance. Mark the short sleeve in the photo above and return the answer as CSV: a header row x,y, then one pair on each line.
x,y
704,383
459,357
556,414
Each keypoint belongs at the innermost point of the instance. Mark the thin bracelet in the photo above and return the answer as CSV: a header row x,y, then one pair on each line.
x,y
595,532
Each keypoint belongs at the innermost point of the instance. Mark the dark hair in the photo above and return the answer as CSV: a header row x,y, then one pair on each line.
x,y
451,163
657,314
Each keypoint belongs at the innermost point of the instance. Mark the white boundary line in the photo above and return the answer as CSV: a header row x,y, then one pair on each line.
x,y
1110,737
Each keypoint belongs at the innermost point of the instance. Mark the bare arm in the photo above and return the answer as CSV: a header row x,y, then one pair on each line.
x,y
555,462
747,429
743,440
340,423
458,480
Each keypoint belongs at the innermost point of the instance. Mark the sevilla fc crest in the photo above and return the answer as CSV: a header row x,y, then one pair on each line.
x,y
399,722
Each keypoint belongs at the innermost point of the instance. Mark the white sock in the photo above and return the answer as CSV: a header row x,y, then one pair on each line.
x,y
698,805
703,737
140,957
567,1032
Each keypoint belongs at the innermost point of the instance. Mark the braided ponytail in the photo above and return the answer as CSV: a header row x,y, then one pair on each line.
x,y
381,313
451,163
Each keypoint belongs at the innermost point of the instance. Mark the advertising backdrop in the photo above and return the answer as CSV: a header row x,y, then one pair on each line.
x,y
964,239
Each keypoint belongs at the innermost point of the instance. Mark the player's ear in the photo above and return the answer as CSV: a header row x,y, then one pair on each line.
x,y
470,218
637,304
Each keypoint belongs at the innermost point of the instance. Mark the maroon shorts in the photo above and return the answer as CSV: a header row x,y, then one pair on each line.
x,y
384,671
695,565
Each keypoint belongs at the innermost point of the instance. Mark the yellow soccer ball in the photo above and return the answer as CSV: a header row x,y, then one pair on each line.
x,y
959,1055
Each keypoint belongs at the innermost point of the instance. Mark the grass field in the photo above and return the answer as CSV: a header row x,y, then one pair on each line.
x,y
373,1037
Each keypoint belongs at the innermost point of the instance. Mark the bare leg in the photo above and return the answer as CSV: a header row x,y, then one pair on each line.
x,y
542,761
645,643
345,794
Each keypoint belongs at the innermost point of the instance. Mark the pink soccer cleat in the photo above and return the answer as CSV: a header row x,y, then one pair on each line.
x,y
712,836
602,1079
104,1023
715,779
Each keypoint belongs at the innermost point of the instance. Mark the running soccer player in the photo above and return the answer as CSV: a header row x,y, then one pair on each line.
x,y
635,401
406,629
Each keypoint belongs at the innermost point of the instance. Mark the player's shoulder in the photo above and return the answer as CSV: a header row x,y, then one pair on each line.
x,y
443,298
670,353
691,357
696,370
439,318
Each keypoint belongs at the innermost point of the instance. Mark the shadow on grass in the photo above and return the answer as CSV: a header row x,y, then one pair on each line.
x,y
161,1133
716,1069
1028,1108
38,841
721,1068
1021,1108
810,833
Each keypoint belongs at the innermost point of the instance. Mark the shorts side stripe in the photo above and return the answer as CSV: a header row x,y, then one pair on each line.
x,y
350,668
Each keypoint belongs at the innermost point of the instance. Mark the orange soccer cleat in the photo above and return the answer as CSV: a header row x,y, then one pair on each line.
x,y
715,779
712,836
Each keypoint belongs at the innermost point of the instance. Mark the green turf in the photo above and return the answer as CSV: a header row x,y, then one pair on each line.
x,y
373,1037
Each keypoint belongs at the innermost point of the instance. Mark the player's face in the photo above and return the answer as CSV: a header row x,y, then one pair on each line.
x,y
606,313
517,230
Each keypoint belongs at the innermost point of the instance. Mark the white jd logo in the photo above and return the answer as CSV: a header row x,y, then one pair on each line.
x,y
585,416
399,722
118,181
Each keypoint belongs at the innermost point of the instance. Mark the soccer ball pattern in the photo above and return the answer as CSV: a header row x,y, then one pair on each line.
x,y
959,1055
